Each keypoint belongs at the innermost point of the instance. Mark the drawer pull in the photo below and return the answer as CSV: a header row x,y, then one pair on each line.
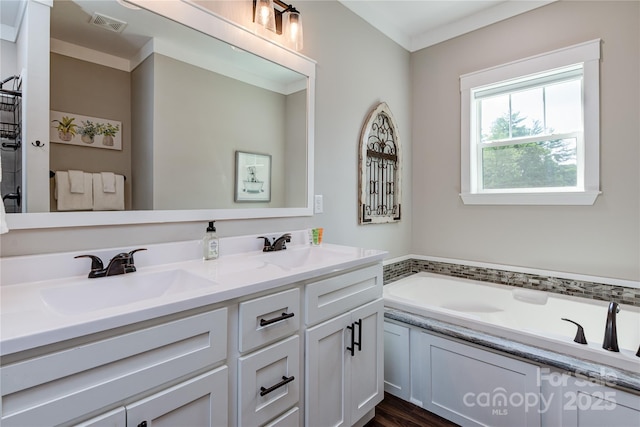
x,y
284,316
284,381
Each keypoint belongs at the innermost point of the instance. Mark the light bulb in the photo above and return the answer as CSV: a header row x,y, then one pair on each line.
x,y
265,15
294,29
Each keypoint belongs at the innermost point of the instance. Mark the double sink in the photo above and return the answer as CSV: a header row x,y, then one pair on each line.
x,y
88,295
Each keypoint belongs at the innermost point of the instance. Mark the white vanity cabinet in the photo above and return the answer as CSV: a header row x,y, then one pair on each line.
x,y
344,354
298,347
132,374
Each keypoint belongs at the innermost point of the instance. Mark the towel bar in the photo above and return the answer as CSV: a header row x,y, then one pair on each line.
x,y
52,174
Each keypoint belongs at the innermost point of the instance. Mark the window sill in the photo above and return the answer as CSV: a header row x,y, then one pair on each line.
x,y
568,199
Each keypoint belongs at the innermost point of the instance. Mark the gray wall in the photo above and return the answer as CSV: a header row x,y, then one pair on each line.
x,y
142,95
200,118
295,154
357,68
601,240
91,90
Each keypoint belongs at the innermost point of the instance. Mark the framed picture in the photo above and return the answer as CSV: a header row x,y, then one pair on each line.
x,y
253,177
75,129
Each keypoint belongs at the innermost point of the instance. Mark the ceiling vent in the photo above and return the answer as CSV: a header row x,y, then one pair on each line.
x,y
108,23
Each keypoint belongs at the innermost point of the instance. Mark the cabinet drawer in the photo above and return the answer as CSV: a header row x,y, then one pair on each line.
x,y
336,295
273,372
67,384
268,319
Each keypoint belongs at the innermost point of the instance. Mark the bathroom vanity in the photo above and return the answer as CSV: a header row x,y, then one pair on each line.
x,y
285,338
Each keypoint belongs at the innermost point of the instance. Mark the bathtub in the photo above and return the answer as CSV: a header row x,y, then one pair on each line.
x,y
526,316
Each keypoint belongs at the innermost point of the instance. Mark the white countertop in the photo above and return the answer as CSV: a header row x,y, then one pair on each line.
x,y
28,321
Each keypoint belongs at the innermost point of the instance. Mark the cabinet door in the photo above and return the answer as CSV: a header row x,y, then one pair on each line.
x,y
326,372
367,376
475,387
585,403
397,363
201,401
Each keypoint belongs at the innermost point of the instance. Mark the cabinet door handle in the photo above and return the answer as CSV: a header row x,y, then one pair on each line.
x,y
284,381
352,349
143,424
359,342
276,319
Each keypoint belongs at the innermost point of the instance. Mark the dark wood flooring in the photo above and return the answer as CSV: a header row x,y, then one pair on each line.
x,y
395,412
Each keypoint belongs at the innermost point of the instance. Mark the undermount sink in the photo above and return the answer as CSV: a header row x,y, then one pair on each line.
x,y
302,257
96,294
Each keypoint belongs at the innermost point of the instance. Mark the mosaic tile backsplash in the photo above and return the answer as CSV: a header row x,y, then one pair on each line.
x,y
578,288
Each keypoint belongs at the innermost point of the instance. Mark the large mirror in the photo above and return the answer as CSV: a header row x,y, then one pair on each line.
x,y
194,113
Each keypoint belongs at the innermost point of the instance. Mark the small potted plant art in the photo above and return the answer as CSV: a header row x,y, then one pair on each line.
x,y
89,130
109,131
66,128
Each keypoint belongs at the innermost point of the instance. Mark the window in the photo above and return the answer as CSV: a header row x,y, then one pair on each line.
x,y
530,130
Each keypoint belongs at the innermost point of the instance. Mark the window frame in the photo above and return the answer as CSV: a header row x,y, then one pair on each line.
x,y
587,54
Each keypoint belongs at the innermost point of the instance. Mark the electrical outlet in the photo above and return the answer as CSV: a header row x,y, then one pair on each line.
x,y
317,204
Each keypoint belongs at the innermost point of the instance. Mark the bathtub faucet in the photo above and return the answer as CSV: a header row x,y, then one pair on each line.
x,y
610,334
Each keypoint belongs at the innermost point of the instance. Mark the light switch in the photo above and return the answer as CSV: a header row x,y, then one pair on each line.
x,y
317,205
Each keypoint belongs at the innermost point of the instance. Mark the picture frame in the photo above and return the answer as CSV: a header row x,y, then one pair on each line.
x,y
85,131
253,177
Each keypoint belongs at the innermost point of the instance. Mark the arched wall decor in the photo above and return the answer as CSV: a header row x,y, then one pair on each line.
x,y
380,168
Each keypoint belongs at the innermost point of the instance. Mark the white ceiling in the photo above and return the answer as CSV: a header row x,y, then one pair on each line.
x,y
416,24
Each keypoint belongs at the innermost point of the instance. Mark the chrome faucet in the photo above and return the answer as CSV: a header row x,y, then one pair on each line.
x,y
278,244
119,264
610,333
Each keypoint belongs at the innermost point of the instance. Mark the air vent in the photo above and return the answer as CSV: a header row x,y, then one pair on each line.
x,y
108,23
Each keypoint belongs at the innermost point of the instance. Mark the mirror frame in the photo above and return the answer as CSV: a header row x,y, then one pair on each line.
x,y
208,22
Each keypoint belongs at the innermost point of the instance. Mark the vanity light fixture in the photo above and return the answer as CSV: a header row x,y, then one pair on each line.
x,y
286,20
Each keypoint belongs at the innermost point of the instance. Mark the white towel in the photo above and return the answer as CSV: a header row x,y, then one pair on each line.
x,y
76,182
108,182
108,201
68,201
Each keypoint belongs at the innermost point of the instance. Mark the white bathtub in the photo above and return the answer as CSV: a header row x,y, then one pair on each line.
x,y
523,315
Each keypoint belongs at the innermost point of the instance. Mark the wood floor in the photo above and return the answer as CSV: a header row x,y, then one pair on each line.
x,y
394,412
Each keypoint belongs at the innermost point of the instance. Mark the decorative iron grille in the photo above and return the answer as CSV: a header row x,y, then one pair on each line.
x,y
380,169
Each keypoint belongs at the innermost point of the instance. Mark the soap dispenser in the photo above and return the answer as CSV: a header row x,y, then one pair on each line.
x,y
210,243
